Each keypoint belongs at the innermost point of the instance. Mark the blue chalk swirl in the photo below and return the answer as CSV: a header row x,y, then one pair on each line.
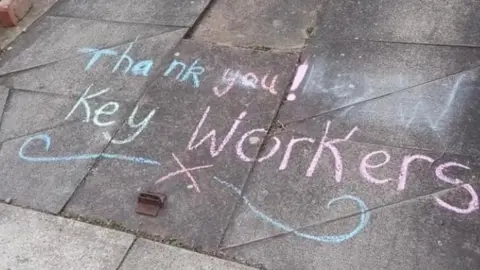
x,y
334,239
47,140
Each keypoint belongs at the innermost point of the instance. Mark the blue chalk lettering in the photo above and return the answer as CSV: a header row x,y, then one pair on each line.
x,y
172,67
194,72
142,68
125,56
333,239
97,54
47,140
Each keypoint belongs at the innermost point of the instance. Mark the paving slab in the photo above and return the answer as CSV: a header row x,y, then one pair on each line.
x,y
52,39
29,112
196,212
417,234
45,168
451,22
165,12
438,116
259,23
343,73
3,99
294,189
8,34
147,254
73,75
34,240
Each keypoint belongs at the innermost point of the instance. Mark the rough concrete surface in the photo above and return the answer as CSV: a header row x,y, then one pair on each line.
x,y
147,255
306,135
33,240
259,23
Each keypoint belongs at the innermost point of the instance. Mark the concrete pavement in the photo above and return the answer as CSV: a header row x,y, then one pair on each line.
x,y
35,240
316,135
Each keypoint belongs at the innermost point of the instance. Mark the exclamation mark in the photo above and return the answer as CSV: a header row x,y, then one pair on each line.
x,y
301,71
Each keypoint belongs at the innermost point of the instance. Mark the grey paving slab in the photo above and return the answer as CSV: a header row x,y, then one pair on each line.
x,y
34,240
165,12
72,75
146,254
418,234
52,39
196,213
29,112
3,99
42,170
452,22
293,188
341,73
8,34
438,116
233,80
273,24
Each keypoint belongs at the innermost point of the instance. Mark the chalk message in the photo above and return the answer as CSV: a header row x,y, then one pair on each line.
x,y
191,73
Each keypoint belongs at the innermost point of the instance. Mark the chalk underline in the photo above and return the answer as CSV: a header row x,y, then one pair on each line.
x,y
47,140
364,217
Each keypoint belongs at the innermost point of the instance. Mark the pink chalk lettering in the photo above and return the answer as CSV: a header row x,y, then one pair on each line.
x,y
364,165
299,75
336,154
250,80
184,170
271,87
472,205
241,153
402,179
212,135
288,151
229,80
439,172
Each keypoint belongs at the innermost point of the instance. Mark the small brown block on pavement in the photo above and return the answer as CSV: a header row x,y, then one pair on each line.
x,y
149,203
12,11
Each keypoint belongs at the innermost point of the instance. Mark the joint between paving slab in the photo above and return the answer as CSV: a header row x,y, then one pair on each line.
x,y
119,22
270,131
7,101
370,210
406,43
83,54
126,253
378,97
199,19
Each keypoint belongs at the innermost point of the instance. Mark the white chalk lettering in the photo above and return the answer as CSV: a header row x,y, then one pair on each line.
x,y
131,123
84,101
103,111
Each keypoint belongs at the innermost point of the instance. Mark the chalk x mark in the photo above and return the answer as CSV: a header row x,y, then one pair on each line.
x,y
47,140
334,239
184,170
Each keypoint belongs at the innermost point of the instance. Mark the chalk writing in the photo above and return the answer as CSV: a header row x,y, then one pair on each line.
x,y
192,72
297,80
47,141
364,217
365,167
212,135
140,68
108,109
184,170
249,80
